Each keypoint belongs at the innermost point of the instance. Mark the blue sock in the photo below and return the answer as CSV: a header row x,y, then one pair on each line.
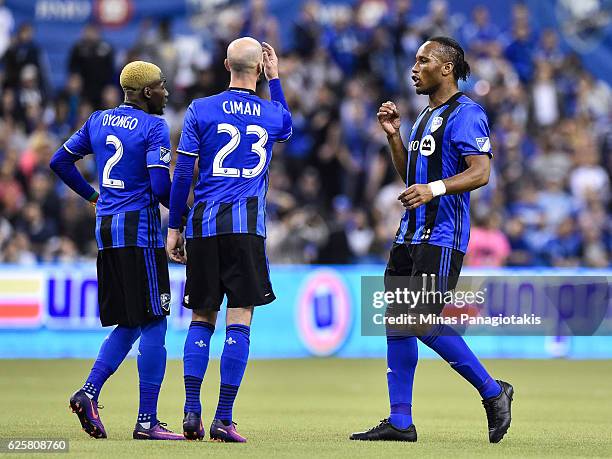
x,y
402,358
112,352
195,362
233,363
452,348
151,369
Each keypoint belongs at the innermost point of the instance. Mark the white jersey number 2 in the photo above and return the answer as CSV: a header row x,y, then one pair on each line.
x,y
112,162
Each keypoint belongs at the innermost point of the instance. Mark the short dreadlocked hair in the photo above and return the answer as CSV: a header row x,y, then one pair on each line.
x,y
139,74
453,52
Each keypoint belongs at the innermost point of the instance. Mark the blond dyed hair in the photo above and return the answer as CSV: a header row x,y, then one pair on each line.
x,y
139,74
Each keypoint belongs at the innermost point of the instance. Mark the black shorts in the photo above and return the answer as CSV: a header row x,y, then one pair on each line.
x,y
423,266
419,259
229,264
133,285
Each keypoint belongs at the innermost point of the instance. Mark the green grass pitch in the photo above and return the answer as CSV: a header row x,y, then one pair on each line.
x,y
307,408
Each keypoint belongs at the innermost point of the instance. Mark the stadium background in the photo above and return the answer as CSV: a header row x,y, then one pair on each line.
x,y
542,69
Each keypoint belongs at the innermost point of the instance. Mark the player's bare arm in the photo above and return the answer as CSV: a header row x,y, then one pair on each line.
x,y
389,119
475,176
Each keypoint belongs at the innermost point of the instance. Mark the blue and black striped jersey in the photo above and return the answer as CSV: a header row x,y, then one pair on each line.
x,y
440,139
126,141
231,134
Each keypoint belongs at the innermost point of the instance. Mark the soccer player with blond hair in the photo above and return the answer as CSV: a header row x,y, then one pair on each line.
x,y
132,151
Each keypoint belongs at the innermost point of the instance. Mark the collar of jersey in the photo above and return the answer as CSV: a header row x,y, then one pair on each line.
x,y
242,90
130,105
453,98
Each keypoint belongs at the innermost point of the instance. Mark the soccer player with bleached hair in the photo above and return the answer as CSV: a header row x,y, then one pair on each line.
x,y
448,155
132,151
231,136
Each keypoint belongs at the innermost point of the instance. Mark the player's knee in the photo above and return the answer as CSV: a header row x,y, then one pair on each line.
x,y
154,333
242,316
204,315
129,333
407,330
421,329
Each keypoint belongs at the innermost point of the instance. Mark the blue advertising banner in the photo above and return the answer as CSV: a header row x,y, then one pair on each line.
x,y
52,312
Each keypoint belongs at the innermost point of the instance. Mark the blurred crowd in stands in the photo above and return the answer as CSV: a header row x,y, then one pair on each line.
x,y
333,190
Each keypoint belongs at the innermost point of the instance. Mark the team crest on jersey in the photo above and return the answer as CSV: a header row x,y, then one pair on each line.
x,y
428,145
164,299
436,123
484,144
165,154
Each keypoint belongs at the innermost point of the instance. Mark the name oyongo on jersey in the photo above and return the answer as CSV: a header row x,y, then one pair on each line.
x,y
126,141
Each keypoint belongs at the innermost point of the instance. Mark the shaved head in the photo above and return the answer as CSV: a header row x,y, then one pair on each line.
x,y
244,55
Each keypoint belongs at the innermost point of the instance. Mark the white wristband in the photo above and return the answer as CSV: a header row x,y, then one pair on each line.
x,y
437,188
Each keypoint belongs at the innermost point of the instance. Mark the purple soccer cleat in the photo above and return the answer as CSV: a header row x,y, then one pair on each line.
x,y
87,411
228,434
192,426
157,432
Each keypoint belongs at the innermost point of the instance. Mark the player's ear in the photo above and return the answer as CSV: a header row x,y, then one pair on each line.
x,y
227,67
147,92
447,68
